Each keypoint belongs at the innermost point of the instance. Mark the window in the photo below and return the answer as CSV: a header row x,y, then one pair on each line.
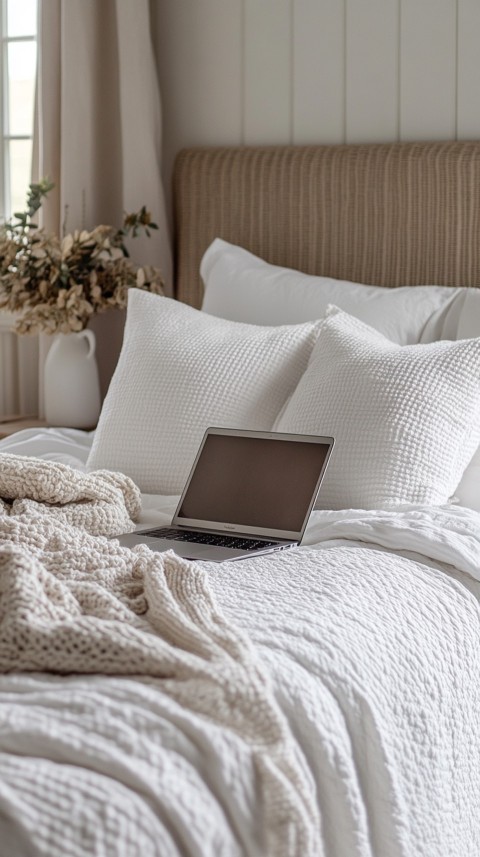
x,y
18,23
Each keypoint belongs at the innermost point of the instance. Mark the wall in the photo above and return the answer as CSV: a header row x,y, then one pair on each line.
x,y
316,71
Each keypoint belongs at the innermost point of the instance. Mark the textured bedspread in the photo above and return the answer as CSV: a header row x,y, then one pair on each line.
x,y
370,639
73,602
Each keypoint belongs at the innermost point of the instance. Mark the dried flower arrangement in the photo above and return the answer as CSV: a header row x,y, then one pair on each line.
x,y
52,284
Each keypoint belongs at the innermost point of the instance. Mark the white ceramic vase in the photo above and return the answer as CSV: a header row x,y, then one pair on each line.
x,y
71,385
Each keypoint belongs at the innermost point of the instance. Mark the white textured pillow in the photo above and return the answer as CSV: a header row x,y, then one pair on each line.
x,y
406,419
180,371
468,491
241,287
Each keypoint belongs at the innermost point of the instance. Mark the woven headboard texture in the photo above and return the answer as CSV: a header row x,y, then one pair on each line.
x,y
391,214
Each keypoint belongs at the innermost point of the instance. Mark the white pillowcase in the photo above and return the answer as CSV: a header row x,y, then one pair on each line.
x,y
406,420
468,491
241,287
181,371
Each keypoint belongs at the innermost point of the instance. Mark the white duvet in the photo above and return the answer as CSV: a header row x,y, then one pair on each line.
x,y
371,633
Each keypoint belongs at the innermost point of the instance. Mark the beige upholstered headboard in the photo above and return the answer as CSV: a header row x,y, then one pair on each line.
x,y
386,214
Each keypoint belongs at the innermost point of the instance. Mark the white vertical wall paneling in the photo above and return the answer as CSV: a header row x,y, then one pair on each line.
x,y
199,48
428,53
318,71
268,74
307,71
468,73
372,55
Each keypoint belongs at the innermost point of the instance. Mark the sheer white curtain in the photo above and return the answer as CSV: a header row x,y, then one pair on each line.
x,y
98,132
18,372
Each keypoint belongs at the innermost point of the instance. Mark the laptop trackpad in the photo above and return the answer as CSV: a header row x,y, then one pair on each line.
x,y
189,550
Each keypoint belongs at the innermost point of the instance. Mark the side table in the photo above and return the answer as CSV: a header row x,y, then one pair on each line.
x,y
14,425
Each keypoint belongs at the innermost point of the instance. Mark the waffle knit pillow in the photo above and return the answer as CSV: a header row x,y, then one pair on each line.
x,y
406,419
181,371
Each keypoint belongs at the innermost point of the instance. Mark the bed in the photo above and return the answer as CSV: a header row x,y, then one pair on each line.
x,y
323,702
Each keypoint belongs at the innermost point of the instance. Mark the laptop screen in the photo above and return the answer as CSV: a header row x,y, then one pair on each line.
x,y
254,482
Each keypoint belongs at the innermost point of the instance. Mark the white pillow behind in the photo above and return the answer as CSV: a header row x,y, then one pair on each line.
x,y
468,491
406,420
181,371
241,287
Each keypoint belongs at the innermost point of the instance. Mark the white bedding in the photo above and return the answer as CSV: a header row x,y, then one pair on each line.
x,y
371,633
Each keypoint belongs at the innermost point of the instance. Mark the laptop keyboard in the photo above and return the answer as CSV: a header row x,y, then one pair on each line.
x,y
223,541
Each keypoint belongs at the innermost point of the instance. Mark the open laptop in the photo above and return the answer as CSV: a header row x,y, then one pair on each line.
x,y
248,492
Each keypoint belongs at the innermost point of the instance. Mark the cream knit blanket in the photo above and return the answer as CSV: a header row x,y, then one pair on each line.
x,y
72,601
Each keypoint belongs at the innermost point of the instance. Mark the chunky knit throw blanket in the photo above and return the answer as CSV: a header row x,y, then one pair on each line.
x,y
73,601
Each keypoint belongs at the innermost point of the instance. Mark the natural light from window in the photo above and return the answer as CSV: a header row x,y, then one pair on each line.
x,y
19,59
